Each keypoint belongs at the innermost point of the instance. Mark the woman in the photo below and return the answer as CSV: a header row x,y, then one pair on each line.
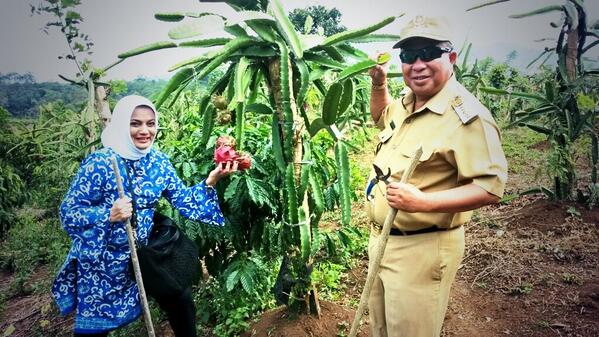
x,y
95,278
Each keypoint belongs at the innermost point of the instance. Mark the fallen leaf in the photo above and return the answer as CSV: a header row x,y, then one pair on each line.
x,y
9,331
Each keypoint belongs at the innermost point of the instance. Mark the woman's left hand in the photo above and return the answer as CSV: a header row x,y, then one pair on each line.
x,y
221,170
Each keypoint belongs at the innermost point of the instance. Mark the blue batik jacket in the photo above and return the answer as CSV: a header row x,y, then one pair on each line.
x,y
95,278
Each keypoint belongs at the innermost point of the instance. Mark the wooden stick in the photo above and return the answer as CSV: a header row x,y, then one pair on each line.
x,y
134,259
378,255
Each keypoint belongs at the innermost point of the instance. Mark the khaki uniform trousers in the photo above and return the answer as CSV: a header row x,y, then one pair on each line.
x,y
410,295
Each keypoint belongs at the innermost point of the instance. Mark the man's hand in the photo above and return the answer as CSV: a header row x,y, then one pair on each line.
x,y
407,197
379,95
378,73
221,170
121,210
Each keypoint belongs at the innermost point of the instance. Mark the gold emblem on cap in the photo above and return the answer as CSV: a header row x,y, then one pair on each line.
x,y
419,21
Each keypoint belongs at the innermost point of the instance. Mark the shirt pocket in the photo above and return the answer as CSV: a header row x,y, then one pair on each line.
x,y
405,158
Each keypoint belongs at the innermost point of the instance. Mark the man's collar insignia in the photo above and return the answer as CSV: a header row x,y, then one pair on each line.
x,y
458,106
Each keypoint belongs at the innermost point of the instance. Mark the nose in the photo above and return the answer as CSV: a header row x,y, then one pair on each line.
x,y
144,129
418,64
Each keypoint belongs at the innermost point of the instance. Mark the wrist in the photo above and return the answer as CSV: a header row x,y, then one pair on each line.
x,y
428,203
210,181
379,86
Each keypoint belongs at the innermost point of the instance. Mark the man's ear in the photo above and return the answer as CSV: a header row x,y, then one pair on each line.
x,y
453,57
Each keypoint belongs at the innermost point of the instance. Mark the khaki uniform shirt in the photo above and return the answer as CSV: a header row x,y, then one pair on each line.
x,y
461,145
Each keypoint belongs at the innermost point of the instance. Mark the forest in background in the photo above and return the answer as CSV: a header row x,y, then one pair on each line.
x,y
21,95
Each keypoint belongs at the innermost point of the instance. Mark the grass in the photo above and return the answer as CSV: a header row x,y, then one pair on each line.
x,y
33,241
521,146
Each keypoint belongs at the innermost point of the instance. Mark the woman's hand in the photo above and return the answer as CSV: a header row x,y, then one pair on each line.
x,y
121,210
221,170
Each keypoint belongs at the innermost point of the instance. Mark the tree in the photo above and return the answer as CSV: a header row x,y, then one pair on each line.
x,y
270,75
511,56
13,77
328,20
565,107
65,18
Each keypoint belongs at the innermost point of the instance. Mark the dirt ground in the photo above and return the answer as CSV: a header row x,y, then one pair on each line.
x,y
530,270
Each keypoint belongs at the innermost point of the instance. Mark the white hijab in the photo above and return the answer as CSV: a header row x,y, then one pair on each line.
x,y
117,134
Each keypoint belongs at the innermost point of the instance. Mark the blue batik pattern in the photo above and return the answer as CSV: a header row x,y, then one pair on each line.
x,y
95,278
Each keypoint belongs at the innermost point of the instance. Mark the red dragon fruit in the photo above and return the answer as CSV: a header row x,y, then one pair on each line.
x,y
225,151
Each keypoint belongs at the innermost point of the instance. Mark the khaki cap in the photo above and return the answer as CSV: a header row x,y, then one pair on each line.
x,y
430,27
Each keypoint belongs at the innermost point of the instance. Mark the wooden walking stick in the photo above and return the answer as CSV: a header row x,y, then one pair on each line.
x,y
378,255
136,270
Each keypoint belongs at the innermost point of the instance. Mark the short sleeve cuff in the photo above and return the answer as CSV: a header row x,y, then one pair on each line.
x,y
380,124
491,184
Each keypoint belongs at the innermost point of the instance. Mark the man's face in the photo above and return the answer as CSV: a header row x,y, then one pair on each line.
x,y
427,78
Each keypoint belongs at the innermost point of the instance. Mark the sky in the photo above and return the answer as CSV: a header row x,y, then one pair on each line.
x,y
116,26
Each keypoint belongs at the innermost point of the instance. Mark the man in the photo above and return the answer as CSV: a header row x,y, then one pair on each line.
x,y
462,168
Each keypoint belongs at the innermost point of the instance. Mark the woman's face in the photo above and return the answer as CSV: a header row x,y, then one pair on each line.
x,y
142,127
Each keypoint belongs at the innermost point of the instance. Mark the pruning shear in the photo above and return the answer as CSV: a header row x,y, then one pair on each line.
x,y
380,176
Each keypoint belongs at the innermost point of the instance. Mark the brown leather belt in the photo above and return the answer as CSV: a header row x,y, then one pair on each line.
x,y
399,232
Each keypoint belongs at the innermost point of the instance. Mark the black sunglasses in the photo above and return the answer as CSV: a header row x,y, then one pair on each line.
x,y
426,54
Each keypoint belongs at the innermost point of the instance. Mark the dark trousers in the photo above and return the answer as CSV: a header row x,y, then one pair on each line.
x,y
179,311
181,314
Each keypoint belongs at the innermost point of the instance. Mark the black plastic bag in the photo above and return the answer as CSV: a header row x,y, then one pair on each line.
x,y
169,263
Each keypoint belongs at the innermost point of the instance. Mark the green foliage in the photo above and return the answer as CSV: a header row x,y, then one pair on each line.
x,y
327,20
342,159
67,20
200,25
273,208
12,187
520,145
562,105
230,308
21,95
328,276
50,149
38,158
524,288
356,33
138,328
243,274
147,48
568,278
32,241
331,106
12,194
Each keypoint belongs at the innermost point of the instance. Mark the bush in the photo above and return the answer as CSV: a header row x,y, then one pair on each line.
x,y
12,187
32,241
